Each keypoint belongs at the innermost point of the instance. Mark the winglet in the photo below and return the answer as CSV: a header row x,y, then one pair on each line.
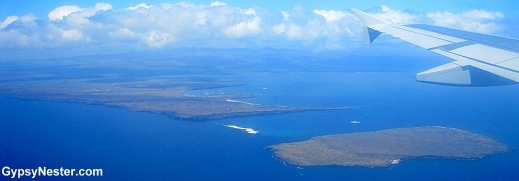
x,y
367,19
369,22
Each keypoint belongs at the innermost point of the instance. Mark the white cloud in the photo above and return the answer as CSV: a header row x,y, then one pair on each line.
x,y
212,25
8,21
218,3
331,15
186,5
141,5
103,6
29,18
294,32
62,11
73,34
166,6
285,15
396,16
246,27
278,29
475,20
158,39
482,14
122,34
385,8
184,24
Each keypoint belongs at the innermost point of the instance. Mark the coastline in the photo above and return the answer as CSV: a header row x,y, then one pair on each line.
x,y
227,109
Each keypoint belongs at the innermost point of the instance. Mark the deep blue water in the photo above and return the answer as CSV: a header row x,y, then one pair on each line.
x,y
130,145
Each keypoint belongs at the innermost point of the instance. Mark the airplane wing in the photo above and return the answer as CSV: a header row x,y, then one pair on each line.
x,y
479,60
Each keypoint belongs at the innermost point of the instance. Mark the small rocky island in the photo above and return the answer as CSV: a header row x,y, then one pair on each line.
x,y
387,147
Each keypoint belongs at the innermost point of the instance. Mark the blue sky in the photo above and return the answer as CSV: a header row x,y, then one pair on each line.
x,y
92,27
41,8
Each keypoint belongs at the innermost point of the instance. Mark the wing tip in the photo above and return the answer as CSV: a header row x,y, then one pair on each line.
x,y
366,19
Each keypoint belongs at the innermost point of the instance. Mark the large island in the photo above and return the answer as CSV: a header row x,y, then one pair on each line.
x,y
387,147
160,83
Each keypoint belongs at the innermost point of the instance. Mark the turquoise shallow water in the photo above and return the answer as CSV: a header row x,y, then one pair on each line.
x,y
140,145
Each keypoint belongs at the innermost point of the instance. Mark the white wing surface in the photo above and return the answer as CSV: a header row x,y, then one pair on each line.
x,y
479,60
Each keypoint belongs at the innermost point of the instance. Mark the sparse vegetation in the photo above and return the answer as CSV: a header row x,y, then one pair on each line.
x,y
386,147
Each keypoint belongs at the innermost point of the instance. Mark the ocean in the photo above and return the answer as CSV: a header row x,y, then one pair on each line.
x,y
131,145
